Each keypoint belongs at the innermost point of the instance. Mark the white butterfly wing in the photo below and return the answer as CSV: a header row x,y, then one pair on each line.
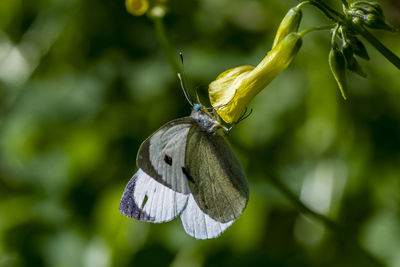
x,y
159,191
162,155
200,225
146,199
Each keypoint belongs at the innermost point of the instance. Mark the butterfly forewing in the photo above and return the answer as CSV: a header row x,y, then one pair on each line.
x,y
215,177
162,155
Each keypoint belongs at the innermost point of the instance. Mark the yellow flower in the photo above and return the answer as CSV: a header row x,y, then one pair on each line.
x,y
235,88
137,7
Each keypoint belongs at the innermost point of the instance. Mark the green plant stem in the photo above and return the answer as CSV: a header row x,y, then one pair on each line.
x,y
317,28
386,52
321,8
168,51
343,233
333,36
328,11
303,4
333,11
302,207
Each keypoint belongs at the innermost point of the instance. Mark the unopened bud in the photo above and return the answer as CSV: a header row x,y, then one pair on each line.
x,y
369,14
290,23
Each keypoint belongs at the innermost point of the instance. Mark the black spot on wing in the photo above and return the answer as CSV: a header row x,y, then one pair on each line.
x,y
168,160
128,206
187,174
143,157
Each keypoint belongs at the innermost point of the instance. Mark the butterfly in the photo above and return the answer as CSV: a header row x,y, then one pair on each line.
x,y
187,169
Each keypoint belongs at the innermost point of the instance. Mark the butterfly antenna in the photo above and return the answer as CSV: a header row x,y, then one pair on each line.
x,y
184,90
181,80
181,57
197,94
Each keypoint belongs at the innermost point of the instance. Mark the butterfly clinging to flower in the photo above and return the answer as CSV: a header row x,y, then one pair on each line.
x,y
187,169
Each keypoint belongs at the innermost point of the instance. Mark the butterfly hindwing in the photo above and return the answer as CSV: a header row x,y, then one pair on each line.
x,y
200,225
162,155
146,199
215,177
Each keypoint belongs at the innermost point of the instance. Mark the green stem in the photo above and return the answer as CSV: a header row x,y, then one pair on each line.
x,y
317,28
328,11
302,207
333,36
171,55
333,11
386,52
343,232
303,4
345,3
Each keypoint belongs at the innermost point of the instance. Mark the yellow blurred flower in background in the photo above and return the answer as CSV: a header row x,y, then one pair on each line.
x,y
137,7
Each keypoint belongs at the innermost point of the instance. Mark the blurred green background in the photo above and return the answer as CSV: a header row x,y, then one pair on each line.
x,y
83,83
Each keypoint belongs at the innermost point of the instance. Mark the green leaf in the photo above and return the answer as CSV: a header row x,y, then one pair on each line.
x,y
351,62
337,64
359,49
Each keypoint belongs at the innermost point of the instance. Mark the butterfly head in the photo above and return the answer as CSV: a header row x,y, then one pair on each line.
x,y
205,119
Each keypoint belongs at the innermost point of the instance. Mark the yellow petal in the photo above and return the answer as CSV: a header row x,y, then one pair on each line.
x,y
137,7
235,88
223,89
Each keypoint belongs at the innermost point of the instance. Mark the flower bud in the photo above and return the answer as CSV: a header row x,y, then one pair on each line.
x,y
368,7
137,7
374,21
290,23
235,88
369,14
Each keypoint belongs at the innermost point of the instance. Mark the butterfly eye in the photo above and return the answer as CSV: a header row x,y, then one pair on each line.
x,y
197,107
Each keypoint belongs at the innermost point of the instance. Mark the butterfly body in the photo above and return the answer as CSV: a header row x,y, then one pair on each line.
x,y
187,169
205,121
